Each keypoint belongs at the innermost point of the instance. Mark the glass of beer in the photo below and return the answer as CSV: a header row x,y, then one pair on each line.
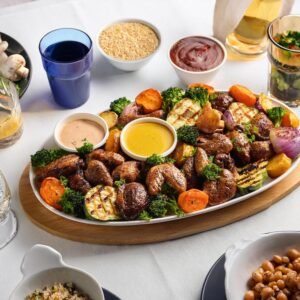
x,y
10,113
250,35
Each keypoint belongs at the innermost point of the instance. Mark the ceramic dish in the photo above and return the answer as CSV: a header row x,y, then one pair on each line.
x,y
268,184
245,256
129,65
14,47
43,266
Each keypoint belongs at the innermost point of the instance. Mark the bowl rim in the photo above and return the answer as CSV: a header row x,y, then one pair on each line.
x,y
129,20
147,120
198,72
75,116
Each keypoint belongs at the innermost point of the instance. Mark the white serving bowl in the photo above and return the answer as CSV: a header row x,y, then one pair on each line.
x,y
76,116
151,120
245,256
189,77
129,65
43,266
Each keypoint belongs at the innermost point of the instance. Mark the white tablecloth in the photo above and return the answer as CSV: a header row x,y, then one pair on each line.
x,y
169,270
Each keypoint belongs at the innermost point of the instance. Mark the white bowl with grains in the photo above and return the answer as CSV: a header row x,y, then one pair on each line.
x,y
47,276
266,267
129,44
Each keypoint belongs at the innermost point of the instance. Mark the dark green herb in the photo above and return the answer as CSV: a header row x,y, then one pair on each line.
x,y
44,157
119,183
156,159
144,215
248,132
211,172
290,40
64,180
188,134
72,203
276,114
198,94
86,148
118,105
170,97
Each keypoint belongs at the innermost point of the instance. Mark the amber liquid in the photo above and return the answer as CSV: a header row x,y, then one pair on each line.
x,y
250,36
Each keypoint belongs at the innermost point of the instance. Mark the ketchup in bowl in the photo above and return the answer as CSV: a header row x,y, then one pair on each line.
x,y
197,53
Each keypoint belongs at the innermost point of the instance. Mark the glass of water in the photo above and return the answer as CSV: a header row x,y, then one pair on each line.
x,y
8,221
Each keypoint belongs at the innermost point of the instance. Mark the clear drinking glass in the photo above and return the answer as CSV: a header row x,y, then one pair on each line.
x,y
8,220
284,66
10,113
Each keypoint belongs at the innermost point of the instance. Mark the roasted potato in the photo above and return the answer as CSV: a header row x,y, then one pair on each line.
x,y
113,141
182,152
278,165
110,117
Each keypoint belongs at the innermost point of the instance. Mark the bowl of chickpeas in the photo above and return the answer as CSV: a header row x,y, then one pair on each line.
x,y
265,268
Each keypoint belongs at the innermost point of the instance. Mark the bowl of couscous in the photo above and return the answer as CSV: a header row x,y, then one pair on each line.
x,y
129,44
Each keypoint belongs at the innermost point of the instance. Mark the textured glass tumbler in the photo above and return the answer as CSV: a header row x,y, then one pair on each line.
x,y
67,56
8,221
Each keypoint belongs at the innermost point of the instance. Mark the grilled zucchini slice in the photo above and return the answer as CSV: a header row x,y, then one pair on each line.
x,y
242,113
252,176
99,203
185,112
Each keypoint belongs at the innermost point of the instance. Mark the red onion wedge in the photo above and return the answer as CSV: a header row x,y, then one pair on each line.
x,y
228,119
286,140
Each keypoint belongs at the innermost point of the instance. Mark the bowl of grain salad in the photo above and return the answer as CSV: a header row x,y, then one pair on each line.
x,y
46,276
129,44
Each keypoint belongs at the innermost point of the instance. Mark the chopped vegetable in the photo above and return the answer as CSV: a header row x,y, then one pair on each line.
x,y
264,103
182,152
242,94
209,88
192,200
99,203
211,172
289,39
44,157
150,100
119,183
113,141
242,113
118,105
156,159
110,117
170,97
188,134
290,120
276,114
72,203
228,120
252,176
198,94
278,165
51,191
286,140
86,148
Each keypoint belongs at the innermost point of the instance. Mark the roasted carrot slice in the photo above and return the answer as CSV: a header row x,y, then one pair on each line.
x,y
150,100
192,200
242,94
51,191
290,120
210,89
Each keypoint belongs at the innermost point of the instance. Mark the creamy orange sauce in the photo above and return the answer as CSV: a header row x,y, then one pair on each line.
x,y
74,133
148,138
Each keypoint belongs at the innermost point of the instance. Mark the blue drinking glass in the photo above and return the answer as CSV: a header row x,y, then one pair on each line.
x,y
67,57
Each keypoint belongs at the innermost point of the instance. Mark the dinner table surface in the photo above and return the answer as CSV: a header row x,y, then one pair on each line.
x,y
167,270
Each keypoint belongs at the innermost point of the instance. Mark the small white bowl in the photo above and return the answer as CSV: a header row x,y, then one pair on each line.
x,y
129,65
43,266
245,256
148,120
189,77
86,116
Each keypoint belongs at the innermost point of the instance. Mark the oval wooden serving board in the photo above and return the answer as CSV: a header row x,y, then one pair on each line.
x,y
151,233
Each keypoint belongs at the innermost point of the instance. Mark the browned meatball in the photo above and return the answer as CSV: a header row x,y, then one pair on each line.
x,y
261,126
225,161
97,173
131,200
222,189
241,147
109,158
78,183
215,143
261,150
129,171
222,102
189,171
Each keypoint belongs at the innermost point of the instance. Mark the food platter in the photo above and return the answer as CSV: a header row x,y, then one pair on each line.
x,y
267,185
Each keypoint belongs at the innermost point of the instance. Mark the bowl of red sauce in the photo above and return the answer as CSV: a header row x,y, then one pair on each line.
x,y
197,58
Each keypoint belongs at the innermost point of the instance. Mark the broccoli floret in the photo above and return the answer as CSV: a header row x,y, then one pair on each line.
x,y
144,215
72,203
276,114
118,105
87,147
198,94
156,159
211,172
170,97
44,157
188,134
